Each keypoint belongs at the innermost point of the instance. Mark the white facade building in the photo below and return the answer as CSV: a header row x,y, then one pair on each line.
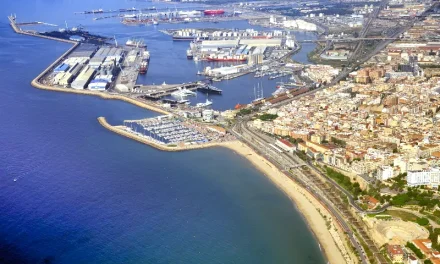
x,y
430,177
384,173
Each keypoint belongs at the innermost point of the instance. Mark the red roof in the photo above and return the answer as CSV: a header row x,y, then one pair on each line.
x,y
285,142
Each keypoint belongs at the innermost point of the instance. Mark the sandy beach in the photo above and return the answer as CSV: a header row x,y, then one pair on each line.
x,y
310,208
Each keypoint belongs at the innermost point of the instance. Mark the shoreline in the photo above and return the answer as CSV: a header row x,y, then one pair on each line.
x,y
310,209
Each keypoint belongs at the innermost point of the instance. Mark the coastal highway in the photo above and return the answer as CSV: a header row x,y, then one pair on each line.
x,y
290,165
254,141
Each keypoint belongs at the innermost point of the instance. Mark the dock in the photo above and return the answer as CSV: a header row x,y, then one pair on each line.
x,y
156,92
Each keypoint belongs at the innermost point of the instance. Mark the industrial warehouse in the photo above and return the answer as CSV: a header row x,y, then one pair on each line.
x,y
236,48
97,68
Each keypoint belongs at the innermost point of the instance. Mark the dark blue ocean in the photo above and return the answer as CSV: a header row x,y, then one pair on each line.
x,y
85,195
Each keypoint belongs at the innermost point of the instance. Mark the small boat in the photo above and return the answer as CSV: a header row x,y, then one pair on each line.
x,y
15,179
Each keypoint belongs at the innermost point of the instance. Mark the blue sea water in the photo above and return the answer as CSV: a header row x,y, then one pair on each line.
x,y
85,195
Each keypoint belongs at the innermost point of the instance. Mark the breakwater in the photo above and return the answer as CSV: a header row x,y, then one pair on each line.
x,y
120,131
18,30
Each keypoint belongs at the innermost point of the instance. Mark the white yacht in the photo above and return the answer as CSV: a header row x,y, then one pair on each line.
x,y
205,104
182,93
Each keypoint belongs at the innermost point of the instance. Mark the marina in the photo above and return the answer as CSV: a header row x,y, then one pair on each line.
x,y
175,132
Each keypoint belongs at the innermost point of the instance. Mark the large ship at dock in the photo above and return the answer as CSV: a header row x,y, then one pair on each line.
x,y
188,38
189,35
138,43
210,89
143,67
226,58
213,12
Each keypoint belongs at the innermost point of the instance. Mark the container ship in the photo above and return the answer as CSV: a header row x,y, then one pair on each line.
x,y
138,43
226,58
214,12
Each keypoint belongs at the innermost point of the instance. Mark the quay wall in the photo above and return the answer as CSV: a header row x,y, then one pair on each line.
x,y
120,131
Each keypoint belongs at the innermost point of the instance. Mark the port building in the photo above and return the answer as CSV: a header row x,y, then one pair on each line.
x,y
98,85
83,78
83,51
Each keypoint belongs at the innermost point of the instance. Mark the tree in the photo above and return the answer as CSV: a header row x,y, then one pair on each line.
x,y
423,221
416,251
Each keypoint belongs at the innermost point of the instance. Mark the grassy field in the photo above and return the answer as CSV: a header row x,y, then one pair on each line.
x,y
405,216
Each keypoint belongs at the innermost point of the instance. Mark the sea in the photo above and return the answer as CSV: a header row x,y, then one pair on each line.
x,y
73,192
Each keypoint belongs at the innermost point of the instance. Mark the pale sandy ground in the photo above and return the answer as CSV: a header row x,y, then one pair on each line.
x,y
311,209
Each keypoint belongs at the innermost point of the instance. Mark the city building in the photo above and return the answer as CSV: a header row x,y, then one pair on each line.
x,y
384,173
395,252
429,177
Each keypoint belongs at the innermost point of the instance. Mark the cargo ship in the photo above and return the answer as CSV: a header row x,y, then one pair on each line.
x,y
138,43
213,12
189,38
143,67
226,58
